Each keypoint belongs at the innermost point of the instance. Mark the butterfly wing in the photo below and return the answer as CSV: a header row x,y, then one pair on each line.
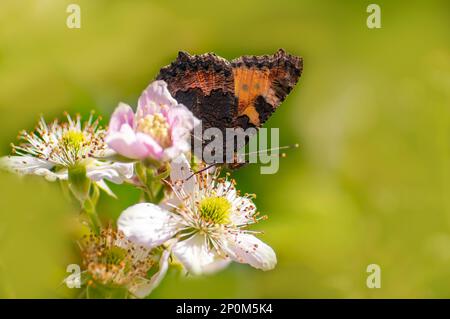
x,y
204,84
261,83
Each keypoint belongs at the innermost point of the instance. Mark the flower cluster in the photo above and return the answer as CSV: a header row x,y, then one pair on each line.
x,y
196,219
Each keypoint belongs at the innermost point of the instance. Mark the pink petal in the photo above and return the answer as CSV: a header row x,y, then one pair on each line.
x,y
126,143
123,114
181,117
155,95
154,150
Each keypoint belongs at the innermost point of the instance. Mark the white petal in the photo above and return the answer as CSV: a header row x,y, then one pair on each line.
x,y
242,208
29,165
172,152
103,186
217,265
111,171
227,190
248,249
148,225
53,176
242,211
144,289
180,170
25,164
170,202
195,256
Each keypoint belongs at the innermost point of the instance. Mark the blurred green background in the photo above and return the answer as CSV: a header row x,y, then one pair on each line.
x,y
369,184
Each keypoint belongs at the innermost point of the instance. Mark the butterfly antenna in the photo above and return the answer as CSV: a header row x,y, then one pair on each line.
x,y
202,170
273,149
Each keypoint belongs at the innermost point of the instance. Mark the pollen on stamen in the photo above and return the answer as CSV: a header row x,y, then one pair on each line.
x,y
63,144
109,260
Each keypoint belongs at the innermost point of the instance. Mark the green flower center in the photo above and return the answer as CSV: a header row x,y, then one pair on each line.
x,y
215,209
157,127
114,255
73,140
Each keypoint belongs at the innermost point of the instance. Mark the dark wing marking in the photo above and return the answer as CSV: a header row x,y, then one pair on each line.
x,y
204,84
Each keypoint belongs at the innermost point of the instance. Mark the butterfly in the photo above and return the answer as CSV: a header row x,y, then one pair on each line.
x,y
241,93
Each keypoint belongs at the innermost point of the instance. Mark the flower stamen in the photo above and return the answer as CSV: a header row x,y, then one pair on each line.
x,y
156,126
215,210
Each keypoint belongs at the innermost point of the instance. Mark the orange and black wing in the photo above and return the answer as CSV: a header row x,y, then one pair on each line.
x,y
242,93
261,83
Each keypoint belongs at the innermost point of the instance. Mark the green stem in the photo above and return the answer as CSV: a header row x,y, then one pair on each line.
x,y
145,179
150,195
91,213
150,179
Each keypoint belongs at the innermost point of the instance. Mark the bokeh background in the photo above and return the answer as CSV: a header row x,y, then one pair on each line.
x,y
369,183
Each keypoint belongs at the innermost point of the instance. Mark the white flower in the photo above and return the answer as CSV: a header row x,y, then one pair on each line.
x,y
207,227
51,150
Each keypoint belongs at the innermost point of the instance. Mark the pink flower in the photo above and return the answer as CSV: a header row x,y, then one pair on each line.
x,y
160,129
